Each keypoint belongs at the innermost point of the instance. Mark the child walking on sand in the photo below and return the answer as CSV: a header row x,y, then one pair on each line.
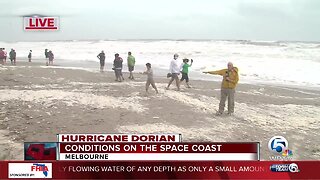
x,y
185,70
150,80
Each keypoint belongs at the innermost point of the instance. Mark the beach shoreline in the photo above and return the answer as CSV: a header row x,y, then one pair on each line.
x,y
39,102
280,63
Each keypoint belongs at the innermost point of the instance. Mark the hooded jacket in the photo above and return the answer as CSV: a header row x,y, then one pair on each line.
x,y
233,77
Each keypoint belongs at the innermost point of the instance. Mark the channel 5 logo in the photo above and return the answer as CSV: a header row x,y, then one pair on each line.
x,y
279,145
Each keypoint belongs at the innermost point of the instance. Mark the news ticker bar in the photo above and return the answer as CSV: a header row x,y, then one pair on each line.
x,y
161,169
159,156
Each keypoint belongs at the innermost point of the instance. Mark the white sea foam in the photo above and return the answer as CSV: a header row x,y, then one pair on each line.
x,y
49,97
267,116
72,68
201,104
9,149
280,117
214,133
295,63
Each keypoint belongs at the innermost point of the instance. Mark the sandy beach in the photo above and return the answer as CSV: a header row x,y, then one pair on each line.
x,y
38,102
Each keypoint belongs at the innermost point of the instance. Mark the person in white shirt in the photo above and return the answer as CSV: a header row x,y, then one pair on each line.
x,y
174,71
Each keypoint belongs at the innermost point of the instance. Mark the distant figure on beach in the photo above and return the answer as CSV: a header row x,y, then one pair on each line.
x,y
12,56
46,55
5,55
174,72
101,56
131,62
51,57
30,55
2,56
228,85
150,80
117,67
185,71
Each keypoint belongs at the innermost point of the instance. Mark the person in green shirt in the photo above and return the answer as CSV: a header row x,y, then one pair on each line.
x,y
131,63
185,70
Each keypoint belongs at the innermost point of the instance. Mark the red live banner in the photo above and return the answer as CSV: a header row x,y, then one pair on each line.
x,y
161,169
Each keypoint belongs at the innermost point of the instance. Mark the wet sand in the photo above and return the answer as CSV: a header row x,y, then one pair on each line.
x,y
38,102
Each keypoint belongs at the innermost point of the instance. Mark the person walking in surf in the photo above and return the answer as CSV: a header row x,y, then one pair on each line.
x,y
117,67
150,80
131,62
174,72
185,71
13,56
51,57
101,56
30,55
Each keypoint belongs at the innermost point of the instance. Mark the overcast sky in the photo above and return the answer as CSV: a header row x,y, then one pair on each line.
x,y
166,19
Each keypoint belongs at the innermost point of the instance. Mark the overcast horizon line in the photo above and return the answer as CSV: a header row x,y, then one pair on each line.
x,y
167,39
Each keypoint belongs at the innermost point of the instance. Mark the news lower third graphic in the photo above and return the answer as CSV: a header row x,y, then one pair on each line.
x,y
40,151
30,170
279,147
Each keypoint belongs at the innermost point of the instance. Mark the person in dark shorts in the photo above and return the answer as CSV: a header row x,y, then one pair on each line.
x,y
102,58
131,62
117,67
150,80
30,55
12,56
185,71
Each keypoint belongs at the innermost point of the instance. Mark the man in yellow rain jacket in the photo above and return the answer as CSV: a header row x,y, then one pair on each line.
x,y
228,85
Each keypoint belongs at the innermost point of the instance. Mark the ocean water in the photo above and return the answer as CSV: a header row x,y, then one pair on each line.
x,y
287,63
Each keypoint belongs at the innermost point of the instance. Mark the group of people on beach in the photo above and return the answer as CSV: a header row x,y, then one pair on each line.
x,y
49,56
175,70
3,56
117,65
13,56
229,82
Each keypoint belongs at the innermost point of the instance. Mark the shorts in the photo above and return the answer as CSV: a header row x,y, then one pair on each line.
x,y
185,77
150,81
102,62
118,72
175,76
131,68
